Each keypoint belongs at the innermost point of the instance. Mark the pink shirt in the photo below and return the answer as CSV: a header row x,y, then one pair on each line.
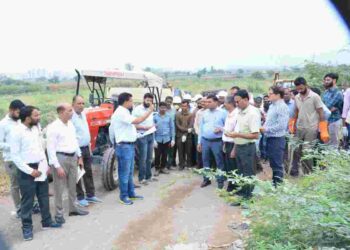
x,y
346,106
230,124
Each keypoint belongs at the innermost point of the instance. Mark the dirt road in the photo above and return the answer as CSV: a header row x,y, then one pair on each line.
x,y
175,210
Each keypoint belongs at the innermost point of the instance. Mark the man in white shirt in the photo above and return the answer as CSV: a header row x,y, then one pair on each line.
x,y
145,143
230,124
28,155
196,125
9,122
83,136
65,157
122,133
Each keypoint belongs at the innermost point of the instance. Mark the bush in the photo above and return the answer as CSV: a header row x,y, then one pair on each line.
x,y
312,212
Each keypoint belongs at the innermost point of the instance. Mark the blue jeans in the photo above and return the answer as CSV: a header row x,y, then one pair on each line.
x,y
275,149
216,148
145,147
125,154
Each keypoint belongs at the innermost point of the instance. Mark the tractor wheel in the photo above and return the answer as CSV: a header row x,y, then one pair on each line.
x,y
109,170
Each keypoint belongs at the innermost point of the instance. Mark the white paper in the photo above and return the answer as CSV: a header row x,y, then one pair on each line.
x,y
80,173
43,168
147,132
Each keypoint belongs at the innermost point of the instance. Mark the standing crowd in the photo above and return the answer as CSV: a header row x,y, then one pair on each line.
x,y
230,131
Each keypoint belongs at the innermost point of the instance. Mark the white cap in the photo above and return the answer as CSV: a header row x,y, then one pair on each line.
x,y
177,100
222,93
187,97
197,97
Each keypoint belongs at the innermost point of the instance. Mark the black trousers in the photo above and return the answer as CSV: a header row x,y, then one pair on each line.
x,y
275,149
185,151
245,158
87,177
29,188
230,163
161,153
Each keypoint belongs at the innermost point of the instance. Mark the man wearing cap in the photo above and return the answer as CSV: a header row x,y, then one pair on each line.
x,y
123,134
65,157
8,123
222,96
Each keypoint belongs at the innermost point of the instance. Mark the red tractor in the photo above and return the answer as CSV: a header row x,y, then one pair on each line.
x,y
103,101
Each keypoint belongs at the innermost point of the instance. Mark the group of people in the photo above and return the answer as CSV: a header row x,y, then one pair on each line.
x,y
230,131
68,153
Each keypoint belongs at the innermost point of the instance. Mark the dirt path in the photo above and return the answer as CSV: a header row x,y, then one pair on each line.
x,y
175,210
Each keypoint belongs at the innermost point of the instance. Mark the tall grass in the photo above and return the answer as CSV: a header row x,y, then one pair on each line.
x,y
197,85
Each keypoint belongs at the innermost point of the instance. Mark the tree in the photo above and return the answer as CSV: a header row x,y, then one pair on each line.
x,y
258,75
54,79
129,66
212,70
148,69
240,73
270,73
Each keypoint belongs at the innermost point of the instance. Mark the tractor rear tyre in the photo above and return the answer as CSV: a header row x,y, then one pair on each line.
x,y
109,170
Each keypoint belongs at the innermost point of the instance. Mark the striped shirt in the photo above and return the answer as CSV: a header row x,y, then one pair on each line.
x,y
277,119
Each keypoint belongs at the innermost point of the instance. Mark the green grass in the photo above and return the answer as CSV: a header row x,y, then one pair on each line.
x,y
46,101
197,85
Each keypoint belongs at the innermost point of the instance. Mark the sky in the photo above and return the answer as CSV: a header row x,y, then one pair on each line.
x,y
179,34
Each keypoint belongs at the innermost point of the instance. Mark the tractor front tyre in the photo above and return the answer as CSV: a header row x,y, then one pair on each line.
x,y
109,170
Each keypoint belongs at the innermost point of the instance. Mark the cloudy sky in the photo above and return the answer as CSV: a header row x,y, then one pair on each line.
x,y
179,34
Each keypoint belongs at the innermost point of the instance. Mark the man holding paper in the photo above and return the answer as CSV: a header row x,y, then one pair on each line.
x,y
145,141
28,155
83,136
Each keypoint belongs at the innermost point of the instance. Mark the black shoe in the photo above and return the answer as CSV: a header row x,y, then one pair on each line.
x,y
136,186
27,234
163,171
220,185
79,213
52,225
60,220
235,204
181,168
205,183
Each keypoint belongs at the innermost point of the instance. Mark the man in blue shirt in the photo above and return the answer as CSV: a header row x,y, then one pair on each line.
x,y
275,130
83,136
333,98
210,138
171,110
164,138
290,102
